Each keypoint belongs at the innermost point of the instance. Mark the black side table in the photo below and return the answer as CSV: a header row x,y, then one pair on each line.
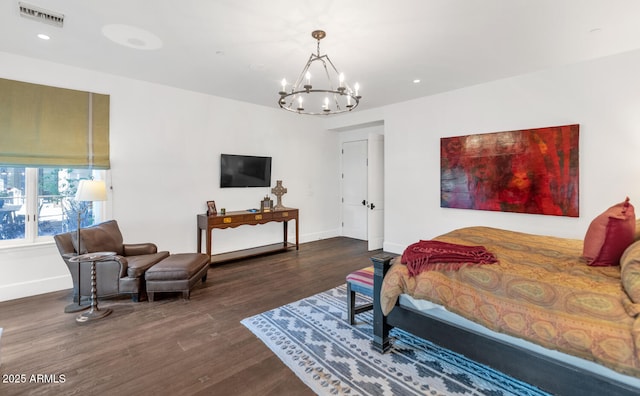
x,y
94,312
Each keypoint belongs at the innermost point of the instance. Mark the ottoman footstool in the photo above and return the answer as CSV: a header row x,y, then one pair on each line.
x,y
177,273
360,281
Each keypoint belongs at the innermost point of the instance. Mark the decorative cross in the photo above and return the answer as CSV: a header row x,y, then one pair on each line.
x,y
279,191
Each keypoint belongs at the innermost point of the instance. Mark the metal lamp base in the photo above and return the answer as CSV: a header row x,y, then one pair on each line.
x,y
93,315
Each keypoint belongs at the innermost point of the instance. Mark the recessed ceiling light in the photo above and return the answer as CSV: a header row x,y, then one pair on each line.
x,y
416,81
43,36
132,37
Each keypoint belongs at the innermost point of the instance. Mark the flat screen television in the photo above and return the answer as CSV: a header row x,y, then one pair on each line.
x,y
244,171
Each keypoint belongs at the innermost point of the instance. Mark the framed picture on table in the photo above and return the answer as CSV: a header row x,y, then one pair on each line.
x,y
211,208
267,204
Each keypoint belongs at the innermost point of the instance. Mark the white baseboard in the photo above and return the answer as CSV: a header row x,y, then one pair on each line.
x,y
317,236
393,247
35,287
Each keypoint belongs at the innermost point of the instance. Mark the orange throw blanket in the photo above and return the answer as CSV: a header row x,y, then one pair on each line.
x,y
435,255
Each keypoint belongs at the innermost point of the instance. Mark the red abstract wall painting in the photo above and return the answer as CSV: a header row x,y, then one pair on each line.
x,y
529,171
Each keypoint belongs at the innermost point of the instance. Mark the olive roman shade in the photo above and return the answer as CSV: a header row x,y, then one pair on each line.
x,y
49,126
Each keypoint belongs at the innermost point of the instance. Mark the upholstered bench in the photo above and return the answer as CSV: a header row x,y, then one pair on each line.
x,y
177,273
360,281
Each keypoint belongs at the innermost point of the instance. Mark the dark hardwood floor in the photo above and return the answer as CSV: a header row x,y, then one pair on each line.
x,y
172,346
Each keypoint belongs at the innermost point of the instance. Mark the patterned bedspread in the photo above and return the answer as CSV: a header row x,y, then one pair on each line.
x,y
540,290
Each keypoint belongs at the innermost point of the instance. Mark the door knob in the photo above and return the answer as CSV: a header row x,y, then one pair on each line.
x,y
364,202
372,206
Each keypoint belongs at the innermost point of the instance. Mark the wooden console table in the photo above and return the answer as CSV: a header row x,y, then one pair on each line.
x,y
244,217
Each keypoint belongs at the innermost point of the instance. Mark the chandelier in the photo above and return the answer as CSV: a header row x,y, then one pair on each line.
x,y
312,97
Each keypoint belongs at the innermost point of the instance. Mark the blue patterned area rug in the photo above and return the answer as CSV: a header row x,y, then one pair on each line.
x,y
313,338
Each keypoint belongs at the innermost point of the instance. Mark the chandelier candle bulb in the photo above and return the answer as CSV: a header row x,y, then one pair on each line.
x,y
284,87
308,86
357,88
341,87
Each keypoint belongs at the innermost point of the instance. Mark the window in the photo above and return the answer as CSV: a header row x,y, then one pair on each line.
x,y
36,203
50,139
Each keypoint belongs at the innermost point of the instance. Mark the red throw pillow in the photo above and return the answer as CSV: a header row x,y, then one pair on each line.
x,y
609,235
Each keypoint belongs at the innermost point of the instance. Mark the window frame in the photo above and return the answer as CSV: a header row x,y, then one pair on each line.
x,y
31,202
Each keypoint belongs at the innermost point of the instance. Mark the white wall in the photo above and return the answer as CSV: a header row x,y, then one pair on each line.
x,y
160,135
603,96
165,155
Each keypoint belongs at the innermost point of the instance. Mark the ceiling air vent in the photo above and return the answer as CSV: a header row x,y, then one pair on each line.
x,y
40,14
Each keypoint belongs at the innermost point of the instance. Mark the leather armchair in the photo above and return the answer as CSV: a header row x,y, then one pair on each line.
x,y
122,275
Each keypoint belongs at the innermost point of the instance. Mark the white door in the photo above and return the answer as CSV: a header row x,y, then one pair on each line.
x,y
375,192
354,189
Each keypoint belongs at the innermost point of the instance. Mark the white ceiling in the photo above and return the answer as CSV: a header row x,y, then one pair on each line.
x,y
242,49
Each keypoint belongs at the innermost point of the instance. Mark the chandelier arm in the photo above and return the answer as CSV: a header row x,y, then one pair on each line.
x,y
336,93
326,71
336,101
332,65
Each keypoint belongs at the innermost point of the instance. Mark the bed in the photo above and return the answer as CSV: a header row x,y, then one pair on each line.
x,y
540,314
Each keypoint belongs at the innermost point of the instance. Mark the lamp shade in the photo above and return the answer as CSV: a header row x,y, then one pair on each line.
x,y
91,190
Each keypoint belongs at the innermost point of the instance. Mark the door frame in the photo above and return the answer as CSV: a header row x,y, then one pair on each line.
x,y
355,134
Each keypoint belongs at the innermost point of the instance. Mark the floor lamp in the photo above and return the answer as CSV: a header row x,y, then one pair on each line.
x,y
88,191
